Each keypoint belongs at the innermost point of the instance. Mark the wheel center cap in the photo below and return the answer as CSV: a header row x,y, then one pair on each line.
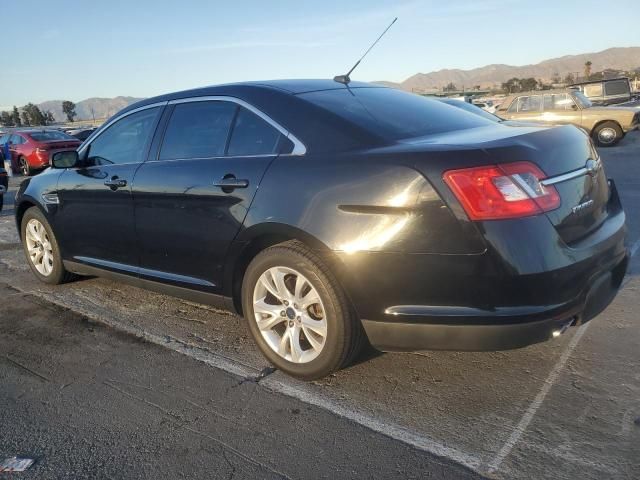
x,y
291,313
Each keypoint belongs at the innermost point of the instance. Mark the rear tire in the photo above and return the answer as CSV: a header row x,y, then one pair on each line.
x,y
607,134
24,166
41,249
313,338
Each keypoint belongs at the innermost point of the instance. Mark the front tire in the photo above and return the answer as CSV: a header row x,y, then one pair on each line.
x,y
298,314
607,134
41,248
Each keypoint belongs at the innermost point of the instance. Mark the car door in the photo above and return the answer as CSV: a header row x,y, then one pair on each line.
x,y
94,221
560,108
192,196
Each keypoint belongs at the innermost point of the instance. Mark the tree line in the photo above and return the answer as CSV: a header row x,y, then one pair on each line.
x,y
31,116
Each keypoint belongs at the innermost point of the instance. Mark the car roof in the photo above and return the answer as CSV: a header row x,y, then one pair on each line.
x,y
292,87
543,92
599,81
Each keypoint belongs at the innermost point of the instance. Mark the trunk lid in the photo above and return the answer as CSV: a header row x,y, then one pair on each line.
x,y
565,154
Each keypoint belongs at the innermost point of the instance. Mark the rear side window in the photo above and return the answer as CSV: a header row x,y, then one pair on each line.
x,y
125,141
594,90
252,135
198,130
392,114
560,101
617,87
17,139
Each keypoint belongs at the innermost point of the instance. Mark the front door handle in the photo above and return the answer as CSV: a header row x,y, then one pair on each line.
x,y
230,183
115,183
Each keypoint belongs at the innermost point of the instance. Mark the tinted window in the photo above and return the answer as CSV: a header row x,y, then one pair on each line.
x,y
4,138
17,140
50,135
125,141
560,101
617,87
392,114
252,135
198,130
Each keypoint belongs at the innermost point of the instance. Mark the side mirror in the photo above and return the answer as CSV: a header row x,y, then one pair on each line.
x,y
67,159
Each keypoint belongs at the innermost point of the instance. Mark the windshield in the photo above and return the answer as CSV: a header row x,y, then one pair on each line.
x,y
392,114
49,136
582,100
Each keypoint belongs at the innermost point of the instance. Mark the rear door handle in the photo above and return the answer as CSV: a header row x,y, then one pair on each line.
x,y
115,183
229,183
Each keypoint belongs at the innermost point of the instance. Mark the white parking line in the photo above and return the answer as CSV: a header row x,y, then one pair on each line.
x,y
394,431
521,427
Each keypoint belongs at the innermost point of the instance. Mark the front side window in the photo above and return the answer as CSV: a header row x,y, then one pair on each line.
x,y
198,130
125,141
594,90
252,135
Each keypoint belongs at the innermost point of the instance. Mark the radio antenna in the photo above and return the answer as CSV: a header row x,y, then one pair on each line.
x,y
346,78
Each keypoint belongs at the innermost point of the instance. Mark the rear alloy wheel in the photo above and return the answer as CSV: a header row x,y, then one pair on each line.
x,y
607,134
41,248
297,313
290,314
25,169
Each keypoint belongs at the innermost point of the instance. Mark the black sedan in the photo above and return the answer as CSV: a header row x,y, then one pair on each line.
x,y
330,215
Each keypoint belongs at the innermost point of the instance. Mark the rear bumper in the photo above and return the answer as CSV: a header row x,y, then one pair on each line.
x,y
416,327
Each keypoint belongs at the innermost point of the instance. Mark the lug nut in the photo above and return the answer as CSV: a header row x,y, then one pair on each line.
x,y
286,304
282,313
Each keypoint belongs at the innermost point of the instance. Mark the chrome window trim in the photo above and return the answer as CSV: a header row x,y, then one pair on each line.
x,y
564,177
298,147
104,128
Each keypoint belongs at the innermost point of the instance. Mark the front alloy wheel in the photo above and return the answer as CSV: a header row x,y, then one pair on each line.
x,y
290,314
39,247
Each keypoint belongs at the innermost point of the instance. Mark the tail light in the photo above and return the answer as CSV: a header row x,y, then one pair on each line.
x,y
496,192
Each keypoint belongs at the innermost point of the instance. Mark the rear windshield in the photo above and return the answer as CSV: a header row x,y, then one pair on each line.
x,y
50,136
392,114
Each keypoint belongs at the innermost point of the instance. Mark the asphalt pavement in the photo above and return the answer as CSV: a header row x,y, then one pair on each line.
x,y
565,409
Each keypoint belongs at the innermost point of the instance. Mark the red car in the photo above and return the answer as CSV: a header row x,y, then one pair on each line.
x,y
31,150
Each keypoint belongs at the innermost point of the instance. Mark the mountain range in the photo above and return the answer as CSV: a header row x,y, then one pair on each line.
x,y
90,108
621,58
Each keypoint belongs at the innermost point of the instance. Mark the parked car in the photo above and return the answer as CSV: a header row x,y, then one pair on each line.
x,y
31,149
606,125
331,214
4,180
606,92
81,133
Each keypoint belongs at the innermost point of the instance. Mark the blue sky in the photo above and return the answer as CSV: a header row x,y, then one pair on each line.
x,y
72,49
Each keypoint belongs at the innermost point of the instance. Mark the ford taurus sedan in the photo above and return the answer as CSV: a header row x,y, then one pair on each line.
x,y
332,215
